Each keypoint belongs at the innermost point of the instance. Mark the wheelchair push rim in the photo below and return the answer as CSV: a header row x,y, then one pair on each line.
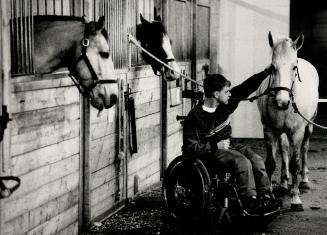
x,y
186,188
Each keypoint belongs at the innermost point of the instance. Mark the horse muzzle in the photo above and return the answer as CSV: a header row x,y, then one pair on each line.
x,y
282,105
172,75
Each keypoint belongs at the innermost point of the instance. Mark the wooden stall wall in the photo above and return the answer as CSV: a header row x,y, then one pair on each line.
x,y
244,50
45,155
44,137
66,153
112,181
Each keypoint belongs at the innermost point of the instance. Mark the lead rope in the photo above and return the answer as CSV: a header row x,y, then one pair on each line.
x,y
131,39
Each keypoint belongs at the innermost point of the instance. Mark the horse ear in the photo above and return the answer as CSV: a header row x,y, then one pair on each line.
x,y
143,21
298,42
100,24
271,39
158,18
85,19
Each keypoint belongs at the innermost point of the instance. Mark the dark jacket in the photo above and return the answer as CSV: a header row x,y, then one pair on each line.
x,y
199,122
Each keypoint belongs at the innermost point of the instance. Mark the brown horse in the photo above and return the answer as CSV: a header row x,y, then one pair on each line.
x,y
293,81
82,47
154,38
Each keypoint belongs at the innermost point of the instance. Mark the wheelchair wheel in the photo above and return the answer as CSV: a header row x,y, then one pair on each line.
x,y
186,188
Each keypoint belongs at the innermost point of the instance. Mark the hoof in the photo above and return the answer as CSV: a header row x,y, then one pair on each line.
x,y
297,207
304,185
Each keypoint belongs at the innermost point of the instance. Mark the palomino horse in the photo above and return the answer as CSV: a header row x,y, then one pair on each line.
x,y
153,37
293,81
83,47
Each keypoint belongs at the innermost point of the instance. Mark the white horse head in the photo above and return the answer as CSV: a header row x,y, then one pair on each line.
x,y
285,62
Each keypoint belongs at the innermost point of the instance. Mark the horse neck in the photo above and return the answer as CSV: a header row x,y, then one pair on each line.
x,y
56,44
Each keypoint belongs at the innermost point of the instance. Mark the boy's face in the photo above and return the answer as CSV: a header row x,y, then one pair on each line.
x,y
223,95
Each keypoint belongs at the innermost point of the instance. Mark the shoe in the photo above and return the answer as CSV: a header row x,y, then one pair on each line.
x,y
269,204
252,205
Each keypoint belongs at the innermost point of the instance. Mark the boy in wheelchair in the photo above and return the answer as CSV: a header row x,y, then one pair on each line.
x,y
206,133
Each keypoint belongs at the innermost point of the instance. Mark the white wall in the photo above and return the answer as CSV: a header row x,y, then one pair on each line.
x,y
243,49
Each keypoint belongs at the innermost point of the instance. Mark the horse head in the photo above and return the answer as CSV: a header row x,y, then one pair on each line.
x,y
154,38
81,46
285,72
94,65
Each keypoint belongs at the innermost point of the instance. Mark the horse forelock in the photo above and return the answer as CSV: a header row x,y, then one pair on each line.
x,y
283,49
152,33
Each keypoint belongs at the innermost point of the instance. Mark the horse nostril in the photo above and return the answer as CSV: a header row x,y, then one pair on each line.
x,y
104,54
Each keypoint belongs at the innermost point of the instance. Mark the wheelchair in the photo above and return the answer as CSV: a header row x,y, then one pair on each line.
x,y
191,189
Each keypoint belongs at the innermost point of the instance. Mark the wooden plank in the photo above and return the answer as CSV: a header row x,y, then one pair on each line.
x,y
137,164
148,121
102,129
33,120
147,108
147,96
69,230
102,206
143,174
149,133
39,99
41,214
43,137
21,164
103,176
144,83
145,146
57,223
101,193
140,72
102,152
42,84
20,205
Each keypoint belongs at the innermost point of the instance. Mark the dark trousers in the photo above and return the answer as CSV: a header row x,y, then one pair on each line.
x,y
247,167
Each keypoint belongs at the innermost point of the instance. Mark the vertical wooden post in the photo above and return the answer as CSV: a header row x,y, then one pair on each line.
x,y
85,175
193,52
164,108
4,94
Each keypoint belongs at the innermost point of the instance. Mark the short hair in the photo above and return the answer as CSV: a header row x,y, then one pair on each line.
x,y
214,82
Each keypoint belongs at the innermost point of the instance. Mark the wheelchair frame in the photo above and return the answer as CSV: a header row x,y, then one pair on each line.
x,y
217,189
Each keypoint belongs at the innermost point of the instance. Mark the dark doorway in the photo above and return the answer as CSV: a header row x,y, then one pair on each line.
x,y
310,19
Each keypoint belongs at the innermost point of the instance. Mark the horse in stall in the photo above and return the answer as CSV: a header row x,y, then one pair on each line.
x,y
294,81
82,47
154,38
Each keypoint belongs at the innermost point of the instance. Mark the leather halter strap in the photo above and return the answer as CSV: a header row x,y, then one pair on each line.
x,y
84,90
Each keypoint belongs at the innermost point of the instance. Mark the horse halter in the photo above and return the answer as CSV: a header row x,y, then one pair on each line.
x,y
84,90
271,90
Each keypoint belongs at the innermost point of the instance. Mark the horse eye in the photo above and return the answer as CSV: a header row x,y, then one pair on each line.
x,y
294,68
104,54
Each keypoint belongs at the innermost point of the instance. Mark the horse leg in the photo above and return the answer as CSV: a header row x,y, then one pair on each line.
x,y
271,145
285,173
296,142
304,184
